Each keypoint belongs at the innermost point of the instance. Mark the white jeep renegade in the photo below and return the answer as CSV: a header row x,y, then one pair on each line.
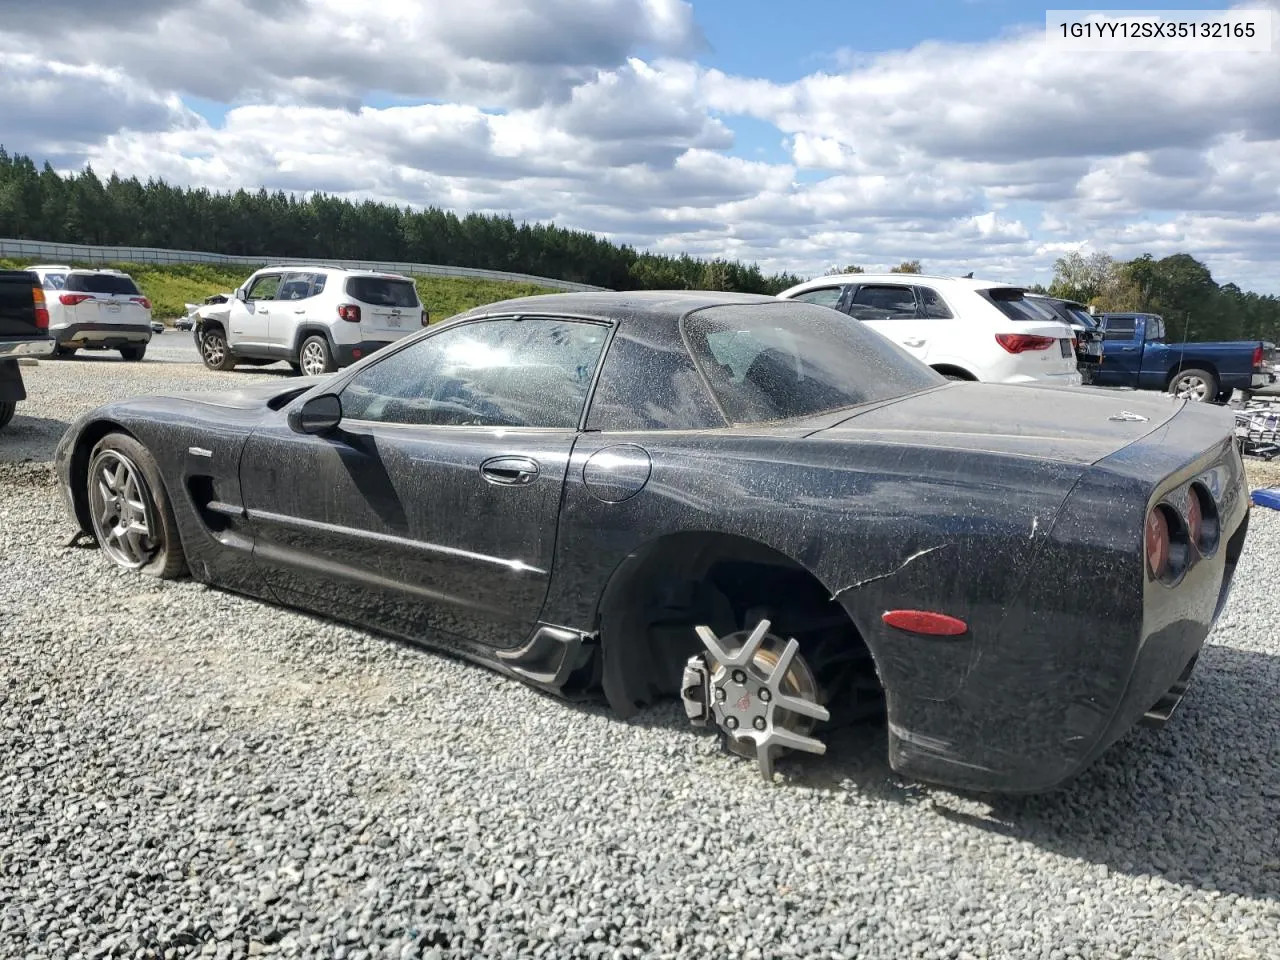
x,y
316,318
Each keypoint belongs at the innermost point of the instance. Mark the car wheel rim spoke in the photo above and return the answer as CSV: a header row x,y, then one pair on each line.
x,y
121,512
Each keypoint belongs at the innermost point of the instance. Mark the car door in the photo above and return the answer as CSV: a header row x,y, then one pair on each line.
x,y
292,302
892,311
250,319
432,509
1121,353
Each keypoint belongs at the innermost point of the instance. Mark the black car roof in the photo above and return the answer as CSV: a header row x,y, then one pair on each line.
x,y
637,307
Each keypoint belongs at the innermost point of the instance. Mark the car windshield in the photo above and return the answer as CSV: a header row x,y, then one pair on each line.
x,y
381,292
101,283
768,362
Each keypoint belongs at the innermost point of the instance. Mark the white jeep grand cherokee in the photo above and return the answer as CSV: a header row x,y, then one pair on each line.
x,y
316,318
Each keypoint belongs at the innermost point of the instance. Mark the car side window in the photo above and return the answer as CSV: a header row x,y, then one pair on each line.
x,y
317,283
1119,328
898,301
264,288
531,372
296,286
935,308
1155,329
824,297
54,281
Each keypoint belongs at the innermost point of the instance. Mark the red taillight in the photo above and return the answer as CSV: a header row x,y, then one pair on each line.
x,y
426,318
42,311
1257,355
349,312
1022,342
1157,539
146,304
71,299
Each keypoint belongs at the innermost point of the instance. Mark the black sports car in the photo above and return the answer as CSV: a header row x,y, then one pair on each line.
x,y
778,516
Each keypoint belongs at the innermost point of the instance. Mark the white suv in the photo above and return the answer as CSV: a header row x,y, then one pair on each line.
x,y
95,310
965,329
316,318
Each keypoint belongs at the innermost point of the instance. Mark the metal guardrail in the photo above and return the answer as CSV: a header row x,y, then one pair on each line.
x,y
88,253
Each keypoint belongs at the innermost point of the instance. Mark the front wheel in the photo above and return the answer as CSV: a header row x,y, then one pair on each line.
x,y
133,352
1194,384
129,510
315,357
214,350
7,408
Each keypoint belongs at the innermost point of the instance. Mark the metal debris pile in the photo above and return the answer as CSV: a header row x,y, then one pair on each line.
x,y
1258,427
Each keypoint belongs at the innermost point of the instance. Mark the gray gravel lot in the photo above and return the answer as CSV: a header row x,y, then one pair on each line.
x,y
183,772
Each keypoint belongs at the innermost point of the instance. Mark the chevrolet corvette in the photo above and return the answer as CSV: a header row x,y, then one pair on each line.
x,y
760,507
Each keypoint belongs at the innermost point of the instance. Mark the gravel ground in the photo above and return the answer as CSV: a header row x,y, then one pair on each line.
x,y
183,772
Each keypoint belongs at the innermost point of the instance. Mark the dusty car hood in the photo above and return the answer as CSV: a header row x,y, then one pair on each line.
x,y
1069,424
251,396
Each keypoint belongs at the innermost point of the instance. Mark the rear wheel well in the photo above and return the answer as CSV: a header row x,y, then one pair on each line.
x,y
951,370
304,331
657,597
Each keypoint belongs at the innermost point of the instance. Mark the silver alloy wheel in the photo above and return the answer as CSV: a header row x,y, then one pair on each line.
x,y
120,508
214,348
1190,386
313,360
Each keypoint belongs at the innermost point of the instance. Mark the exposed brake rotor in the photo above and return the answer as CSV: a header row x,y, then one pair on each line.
x,y
758,690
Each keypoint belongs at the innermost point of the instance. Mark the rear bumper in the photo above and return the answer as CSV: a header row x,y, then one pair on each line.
x,y
41,347
1262,379
345,354
105,335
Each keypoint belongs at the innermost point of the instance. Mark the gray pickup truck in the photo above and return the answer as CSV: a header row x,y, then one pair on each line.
x,y
24,332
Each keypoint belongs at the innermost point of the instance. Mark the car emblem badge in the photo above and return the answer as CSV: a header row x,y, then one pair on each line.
x,y
744,702
1126,417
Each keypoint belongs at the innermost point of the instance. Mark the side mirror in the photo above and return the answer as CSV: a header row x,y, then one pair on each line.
x,y
319,415
241,295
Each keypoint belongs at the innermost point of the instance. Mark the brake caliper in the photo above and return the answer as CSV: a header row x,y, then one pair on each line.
x,y
758,690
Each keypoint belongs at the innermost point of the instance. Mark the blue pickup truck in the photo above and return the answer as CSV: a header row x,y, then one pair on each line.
x,y
1135,354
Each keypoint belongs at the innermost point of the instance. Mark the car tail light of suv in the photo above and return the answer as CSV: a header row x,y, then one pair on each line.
x,y
71,299
1022,342
349,312
146,304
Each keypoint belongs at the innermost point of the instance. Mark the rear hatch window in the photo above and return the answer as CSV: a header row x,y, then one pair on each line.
x,y
1013,304
382,292
109,283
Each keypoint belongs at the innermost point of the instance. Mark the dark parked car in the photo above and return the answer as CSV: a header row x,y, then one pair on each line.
x,y
1135,353
24,332
1088,332
753,504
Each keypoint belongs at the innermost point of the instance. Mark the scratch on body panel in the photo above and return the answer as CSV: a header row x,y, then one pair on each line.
x,y
884,576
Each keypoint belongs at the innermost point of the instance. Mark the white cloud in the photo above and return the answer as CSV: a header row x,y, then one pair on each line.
x,y
994,157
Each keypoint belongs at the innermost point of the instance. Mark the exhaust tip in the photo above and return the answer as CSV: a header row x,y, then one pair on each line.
x,y
1160,712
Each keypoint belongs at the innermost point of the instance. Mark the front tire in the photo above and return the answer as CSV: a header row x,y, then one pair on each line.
x,y
315,357
7,408
1194,384
129,509
214,350
134,352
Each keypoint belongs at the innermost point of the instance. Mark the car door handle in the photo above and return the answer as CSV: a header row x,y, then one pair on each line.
x,y
915,342
509,471
264,309
301,310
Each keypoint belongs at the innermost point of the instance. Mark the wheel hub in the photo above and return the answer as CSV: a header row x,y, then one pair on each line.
x,y
120,512
758,690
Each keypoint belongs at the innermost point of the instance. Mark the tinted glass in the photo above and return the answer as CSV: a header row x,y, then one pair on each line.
x,y
1119,328
1082,318
264,288
650,384
1011,302
934,307
297,286
771,362
826,297
510,373
378,292
101,283
898,301
54,281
